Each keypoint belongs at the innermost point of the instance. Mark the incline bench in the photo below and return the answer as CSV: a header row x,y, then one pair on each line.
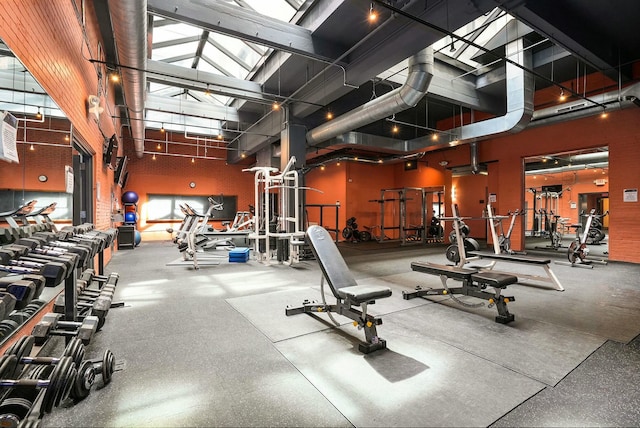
x,y
346,290
474,283
516,258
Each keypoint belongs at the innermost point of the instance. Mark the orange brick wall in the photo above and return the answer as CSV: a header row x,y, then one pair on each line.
x,y
48,39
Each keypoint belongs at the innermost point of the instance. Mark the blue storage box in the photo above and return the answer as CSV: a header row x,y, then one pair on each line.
x,y
239,255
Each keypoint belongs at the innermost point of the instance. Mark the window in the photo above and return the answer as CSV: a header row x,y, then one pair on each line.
x,y
167,207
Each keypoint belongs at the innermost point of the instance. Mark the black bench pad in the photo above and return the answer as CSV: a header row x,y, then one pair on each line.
x,y
494,279
457,273
363,293
509,257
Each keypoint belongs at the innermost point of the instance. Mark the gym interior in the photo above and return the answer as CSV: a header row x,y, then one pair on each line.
x,y
319,213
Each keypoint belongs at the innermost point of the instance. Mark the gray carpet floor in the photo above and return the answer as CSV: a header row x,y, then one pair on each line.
x,y
213,347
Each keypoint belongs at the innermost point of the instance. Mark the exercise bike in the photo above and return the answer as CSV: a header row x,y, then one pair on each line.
x,y
503,239
578,250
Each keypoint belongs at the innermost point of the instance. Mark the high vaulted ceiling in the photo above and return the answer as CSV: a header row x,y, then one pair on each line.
x,y
216,68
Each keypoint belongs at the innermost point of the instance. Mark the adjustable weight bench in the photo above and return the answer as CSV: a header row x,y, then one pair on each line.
x,y
474,282
349,295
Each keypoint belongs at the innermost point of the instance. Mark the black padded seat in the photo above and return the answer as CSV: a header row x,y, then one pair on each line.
x,y
358,294
452,272
494,279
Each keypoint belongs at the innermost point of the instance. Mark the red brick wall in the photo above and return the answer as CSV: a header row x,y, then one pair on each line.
x,y
48,39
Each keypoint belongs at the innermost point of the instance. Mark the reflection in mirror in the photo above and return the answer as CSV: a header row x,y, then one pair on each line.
x,y
44,148
43,142
561,190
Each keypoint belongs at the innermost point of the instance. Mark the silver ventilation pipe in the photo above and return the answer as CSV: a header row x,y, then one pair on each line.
x,y
402,98
519,99
473,148
614,100
129,22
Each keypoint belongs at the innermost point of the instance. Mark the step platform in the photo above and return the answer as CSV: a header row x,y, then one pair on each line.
x,y
239,255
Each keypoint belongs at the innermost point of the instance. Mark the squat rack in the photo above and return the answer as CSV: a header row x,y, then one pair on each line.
x,y
407,232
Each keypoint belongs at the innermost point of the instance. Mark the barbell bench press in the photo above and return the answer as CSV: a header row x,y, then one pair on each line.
x,y
474,282
349,295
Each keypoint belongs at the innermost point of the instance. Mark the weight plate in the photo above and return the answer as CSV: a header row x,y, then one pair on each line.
x,y
452,237
471,244
347,232
75,350
365,236
21,348
108,366
40,372
8,365
85,378
12,409
54,387
464,229
453,254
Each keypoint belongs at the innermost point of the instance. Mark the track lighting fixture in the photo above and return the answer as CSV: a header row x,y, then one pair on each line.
x,y
321,167
243,155
39,115
162,128
154,156
275,106
434,137
373,16
329,115
115,78
66,138
193,160
206,91
604,113
563,97
31,148
395,129
158,146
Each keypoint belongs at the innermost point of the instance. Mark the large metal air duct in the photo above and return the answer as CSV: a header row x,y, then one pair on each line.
x,y
129,22
519,99
614,100
402,98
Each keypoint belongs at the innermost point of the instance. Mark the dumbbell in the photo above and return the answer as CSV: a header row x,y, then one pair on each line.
x,y
37,280
57,387
52,324
27,312
7,327
97,307
90,276
85,369
24,290
7,304
18,259
39,245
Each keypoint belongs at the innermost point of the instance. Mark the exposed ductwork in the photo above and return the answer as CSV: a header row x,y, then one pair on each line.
x,y
519,99
402,98
129,21
614,100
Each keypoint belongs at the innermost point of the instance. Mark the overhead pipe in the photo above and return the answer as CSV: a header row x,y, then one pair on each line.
x,y
402,98
519,99
613,100
129,22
